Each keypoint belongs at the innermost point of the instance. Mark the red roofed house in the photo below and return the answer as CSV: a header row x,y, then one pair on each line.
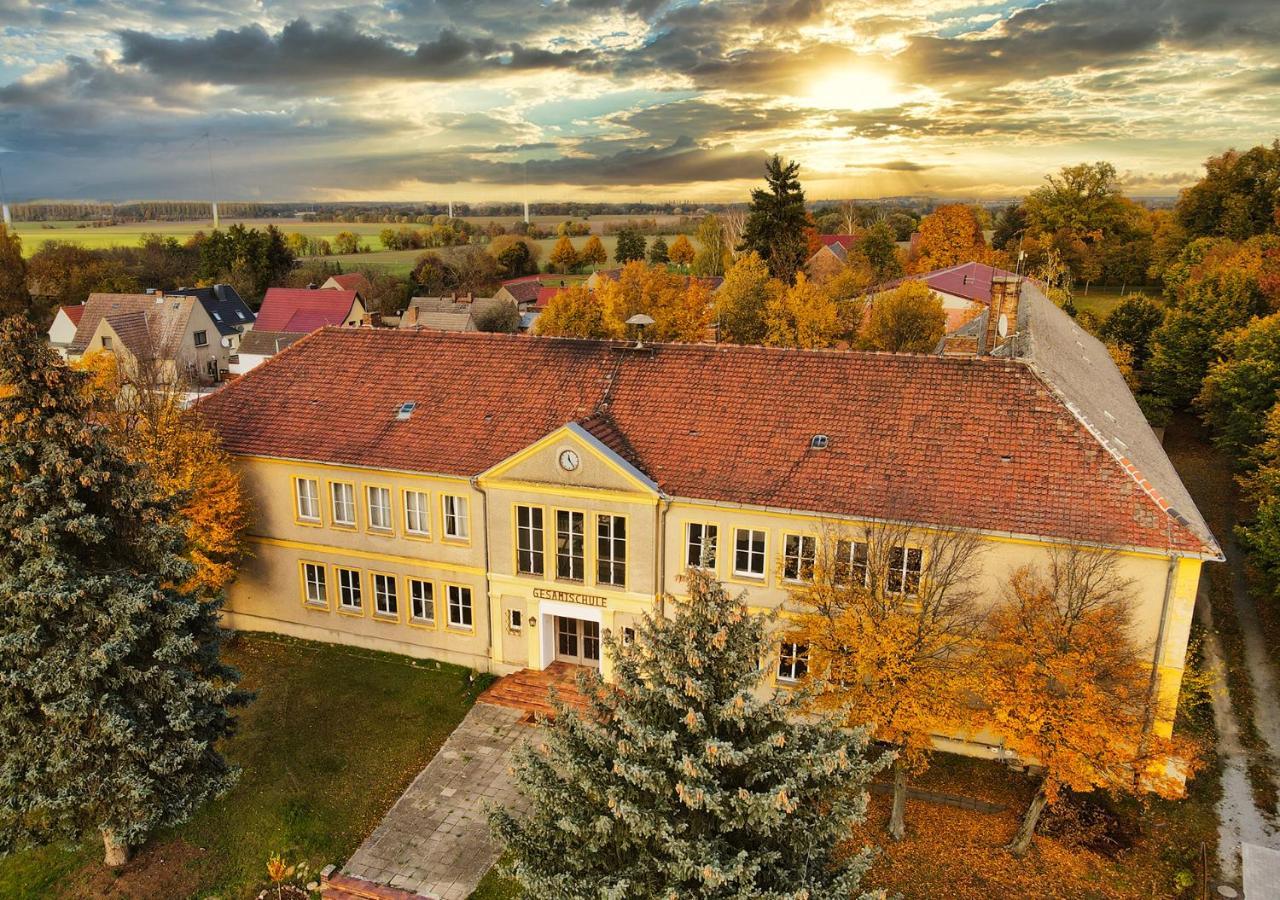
x,y
965,289
523,292
306,309
352,281
439,513
829,258
63,330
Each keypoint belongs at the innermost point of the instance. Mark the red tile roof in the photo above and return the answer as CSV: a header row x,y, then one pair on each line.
x,y
74,313
353,281
978,442
844,240
523,290
969,280
312,309
544,296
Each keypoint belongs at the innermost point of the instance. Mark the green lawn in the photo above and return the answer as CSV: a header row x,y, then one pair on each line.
x,y
1102,300
334,737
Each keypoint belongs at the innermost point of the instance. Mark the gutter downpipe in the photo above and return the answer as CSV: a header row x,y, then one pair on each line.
x,y
660,553
488,585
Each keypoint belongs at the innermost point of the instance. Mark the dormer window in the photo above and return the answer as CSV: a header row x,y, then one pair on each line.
x,y
406,410
818,442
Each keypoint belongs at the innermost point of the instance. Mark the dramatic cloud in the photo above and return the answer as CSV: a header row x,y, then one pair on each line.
x,y
479,98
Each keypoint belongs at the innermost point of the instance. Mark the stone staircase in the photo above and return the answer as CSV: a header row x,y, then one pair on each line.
x,y
529,690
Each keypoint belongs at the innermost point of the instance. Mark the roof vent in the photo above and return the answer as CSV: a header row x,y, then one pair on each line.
x,y
406,410
1006,457
818,442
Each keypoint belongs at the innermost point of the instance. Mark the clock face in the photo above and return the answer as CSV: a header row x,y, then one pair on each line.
x,y
569,460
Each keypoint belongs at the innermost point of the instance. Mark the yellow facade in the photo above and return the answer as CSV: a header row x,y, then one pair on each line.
x,y
524,606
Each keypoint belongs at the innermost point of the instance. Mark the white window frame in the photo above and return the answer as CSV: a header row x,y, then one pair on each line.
x,y
386,595
531,540
799,556
706,530
753,556
515,620
315,590
454,595
426,601
456,521
385,510
201,338
903,576
853,556
348,588
342,500
611,549
793,662
564,545
307,502
417,513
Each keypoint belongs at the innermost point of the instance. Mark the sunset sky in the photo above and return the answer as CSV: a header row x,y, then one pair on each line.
x,y
471,99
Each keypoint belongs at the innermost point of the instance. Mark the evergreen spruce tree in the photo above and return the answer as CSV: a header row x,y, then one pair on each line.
x,y
775,227
681,782
112,695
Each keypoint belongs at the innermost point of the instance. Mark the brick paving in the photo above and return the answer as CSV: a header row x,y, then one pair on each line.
x,y
435,841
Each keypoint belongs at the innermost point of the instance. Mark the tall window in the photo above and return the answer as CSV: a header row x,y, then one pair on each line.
x,y
851,562
349,596
455,517
459,606
611,550
904,570
379,508
798,554
793,661
529,547
308,499
701,545
422,602
748,552
385,601
417,513
344,503
315,584
201,338
570,545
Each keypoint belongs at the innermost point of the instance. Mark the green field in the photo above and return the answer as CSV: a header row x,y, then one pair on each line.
x,y
334,737
1102,300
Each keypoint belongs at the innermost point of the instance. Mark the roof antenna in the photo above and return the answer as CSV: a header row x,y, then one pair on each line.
x,y
640,322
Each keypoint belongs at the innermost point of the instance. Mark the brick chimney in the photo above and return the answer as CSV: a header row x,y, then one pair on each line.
x,y
1005,292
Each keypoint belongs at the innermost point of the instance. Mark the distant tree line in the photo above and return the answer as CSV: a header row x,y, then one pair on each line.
x,y
144,211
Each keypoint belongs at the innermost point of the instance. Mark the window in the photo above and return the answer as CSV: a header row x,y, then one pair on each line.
x,y
611,550
422,602
628,636
106,343
515,620
308,490
349,596
217,317
793,661
385,602
529,548
851,562
459,606
570,545
379,499
344,504
417,513
455,517
748,553
798,554
904,570
315,584
202,338
701,544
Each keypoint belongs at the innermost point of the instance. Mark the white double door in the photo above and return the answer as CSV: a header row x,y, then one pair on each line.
x,y
577,641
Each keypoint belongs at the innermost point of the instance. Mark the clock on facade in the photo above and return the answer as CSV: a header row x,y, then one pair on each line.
x,y
569,460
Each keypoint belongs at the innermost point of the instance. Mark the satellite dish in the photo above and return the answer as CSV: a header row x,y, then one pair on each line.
x,y
1002,325
229,342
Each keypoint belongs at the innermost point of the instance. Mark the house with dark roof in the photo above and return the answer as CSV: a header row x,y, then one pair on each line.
x,y
306,309
159,336
231,316
501,501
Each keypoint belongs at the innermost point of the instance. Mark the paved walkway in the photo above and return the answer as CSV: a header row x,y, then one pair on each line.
x,y
435,841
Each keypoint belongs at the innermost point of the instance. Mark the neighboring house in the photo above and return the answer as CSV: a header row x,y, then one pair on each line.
x,y
257,346
448,313
354,281
175,336
63,330
523,292
158,338
306,309
224,305
831,257
965,289
437,512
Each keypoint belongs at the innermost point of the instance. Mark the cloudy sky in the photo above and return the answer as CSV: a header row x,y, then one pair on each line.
x,y
645,99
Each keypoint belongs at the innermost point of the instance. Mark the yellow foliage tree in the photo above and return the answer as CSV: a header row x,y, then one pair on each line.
x,y
1064,682
741,300
564,257
906,319
890,617
680,307
801,315
574,312
950,235
593,252
184,458
681,252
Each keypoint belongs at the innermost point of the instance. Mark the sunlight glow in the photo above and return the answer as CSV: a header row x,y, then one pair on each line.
x,y
853,89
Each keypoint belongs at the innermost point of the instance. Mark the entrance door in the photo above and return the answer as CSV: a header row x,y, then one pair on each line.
x,y
577,641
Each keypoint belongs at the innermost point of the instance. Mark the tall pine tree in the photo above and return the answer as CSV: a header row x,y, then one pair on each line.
x,y
682,781
112,694
776,225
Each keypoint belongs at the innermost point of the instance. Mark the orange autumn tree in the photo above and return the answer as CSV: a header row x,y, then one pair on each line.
x,y
574,312
146,416
680,307
1069,689
950,235
890,616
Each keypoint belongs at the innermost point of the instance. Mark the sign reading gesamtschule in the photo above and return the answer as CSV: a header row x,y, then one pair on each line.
x,y
567,597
